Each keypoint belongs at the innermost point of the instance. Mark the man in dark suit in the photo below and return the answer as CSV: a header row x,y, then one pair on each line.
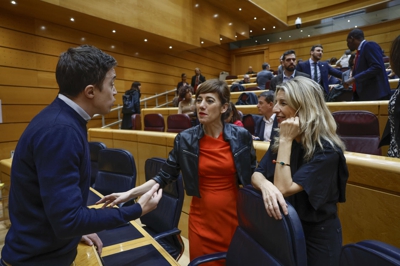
x,y
317,70
197,79
265,124
288,60
370,81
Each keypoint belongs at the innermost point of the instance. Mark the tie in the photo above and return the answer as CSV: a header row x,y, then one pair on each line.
x,y
354,69
315,72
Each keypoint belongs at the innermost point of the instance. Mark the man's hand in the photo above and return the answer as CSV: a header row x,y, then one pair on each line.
x,y
93,239
348,82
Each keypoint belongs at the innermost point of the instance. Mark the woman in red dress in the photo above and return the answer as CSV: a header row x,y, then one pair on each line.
x,y
215,158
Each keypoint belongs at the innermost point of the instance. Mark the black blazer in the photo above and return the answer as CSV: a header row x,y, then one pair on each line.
x,y
201,79
278,79
386,136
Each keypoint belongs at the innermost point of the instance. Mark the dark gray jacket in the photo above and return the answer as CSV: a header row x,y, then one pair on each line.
x,y
185,157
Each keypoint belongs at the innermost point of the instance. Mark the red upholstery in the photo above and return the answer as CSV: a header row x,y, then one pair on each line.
x,y
136,122
178,122
359,130
231,77
249,123
267,84
154,122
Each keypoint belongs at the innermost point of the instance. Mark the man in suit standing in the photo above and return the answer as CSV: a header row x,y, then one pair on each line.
x,y
266,123
317,70
197,79
288,64
370,81
263,76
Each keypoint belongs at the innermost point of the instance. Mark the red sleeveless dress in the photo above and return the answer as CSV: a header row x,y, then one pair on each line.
x,y
213,217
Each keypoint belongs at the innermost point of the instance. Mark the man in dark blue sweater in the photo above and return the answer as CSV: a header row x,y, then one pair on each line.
x,y
50,173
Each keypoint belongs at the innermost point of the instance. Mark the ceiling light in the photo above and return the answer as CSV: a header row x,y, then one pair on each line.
x,y
240,9
220,39
243,33
196,5
114,31
136,53
280,38
230,24
216,15
309,35
13,2
43,27
301,30
235,36
170,47
82,39
202,42
263,28
72,19
112,46
355,26
267,40
273,27
255,17
348,20
290,36
251,30
145,40
256,41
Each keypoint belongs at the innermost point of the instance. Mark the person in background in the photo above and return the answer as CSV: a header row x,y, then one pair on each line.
x,y
317,70
246,79
288,63
343,61
188,104
333,61
197,79
50,173
369,81
305,164
181,83
214,158
131,105
391,134
234,117
264,130
263,76
250,71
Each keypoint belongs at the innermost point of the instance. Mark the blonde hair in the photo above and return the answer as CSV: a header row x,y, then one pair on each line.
x,y
316,121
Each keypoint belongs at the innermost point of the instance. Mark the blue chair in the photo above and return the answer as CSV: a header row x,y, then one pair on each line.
x,y
95,148
370,252
260,239
117,172
162,223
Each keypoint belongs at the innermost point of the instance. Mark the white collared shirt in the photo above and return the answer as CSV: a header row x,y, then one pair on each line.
x,y
268,127
75,106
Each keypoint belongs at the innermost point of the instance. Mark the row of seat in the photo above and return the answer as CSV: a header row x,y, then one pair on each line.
x,y
155,122
114,170
359,130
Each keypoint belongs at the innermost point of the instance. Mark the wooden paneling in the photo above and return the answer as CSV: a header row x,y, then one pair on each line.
x,y
242,62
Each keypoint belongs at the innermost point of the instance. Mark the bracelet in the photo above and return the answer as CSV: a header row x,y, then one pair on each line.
x,y
281,163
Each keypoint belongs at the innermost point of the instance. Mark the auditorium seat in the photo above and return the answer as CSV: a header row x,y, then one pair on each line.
x,y
117,172
95,148
268,84
370,252
359,130
252,89
136,122
260,239
249,123
154,122
178,122
231,77
162,223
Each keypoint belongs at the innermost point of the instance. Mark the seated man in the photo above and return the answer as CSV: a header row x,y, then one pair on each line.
x,y
264,130
246,79
250,70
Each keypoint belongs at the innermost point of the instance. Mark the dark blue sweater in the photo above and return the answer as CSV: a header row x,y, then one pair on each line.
x,y
50,178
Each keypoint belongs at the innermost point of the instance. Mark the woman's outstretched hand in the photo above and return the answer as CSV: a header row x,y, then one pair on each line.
x,y
115,199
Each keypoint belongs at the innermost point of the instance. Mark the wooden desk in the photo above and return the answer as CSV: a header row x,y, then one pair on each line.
x,y
247,85
129,244
393,83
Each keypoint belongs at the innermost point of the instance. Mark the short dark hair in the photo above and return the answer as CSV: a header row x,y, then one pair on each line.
x,y
356,34
268,95
219,87
82,66
265,65
235,114
135,85
183,74
315,46
288,53
185,89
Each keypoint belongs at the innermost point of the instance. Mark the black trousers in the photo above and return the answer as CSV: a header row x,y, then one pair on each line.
x,y
324,242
